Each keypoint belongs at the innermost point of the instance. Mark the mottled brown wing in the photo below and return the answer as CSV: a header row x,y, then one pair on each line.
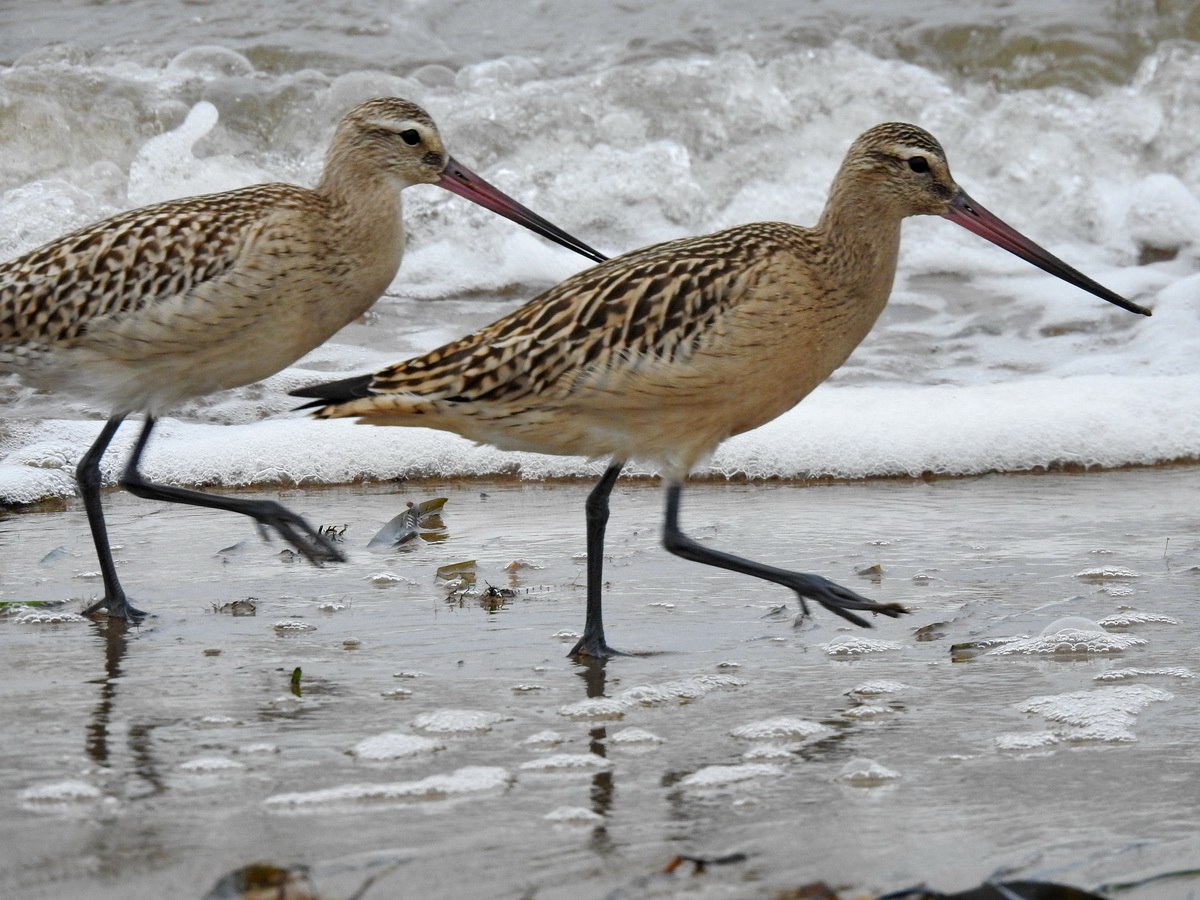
x,y
653,303
125,263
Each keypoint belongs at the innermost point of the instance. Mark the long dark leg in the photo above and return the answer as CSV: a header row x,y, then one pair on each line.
x,y
833,597
269,514
592,643
87,476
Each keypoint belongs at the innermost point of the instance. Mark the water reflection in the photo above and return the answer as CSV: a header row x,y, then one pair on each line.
x,y
114,633
593,673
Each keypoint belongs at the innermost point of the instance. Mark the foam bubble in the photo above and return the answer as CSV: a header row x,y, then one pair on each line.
x,y
854,645
387,579
648,695
574,815
262,748
1105,714
458,721
60,793
1107,573
567,762
781,727
395,745
204,765
634,736
863,772
877,688
723,776
771,751
1024,743
44,617
462,782
1180,672
1129,619
288,626
543,739
1067,638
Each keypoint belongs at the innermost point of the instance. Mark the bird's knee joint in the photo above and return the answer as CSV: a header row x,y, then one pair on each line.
x,y
674,542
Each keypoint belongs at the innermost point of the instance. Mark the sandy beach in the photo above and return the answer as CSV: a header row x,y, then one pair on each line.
x,y
440,742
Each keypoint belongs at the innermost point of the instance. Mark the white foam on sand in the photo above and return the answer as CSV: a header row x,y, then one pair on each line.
x,y
864,772
682,690
60,793
780,728
457,721
1105,715
1069,637
395,745
462,782
711,777
567,762
847,432
574,815
207,765
851,645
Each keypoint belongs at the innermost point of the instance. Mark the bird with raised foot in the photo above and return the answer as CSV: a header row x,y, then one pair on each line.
x,y
661,354
151,307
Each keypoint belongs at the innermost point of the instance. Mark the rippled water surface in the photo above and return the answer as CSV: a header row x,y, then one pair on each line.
x,y
630,124
439,741
1022,43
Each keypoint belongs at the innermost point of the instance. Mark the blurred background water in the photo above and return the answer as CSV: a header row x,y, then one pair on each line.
x,y
636,122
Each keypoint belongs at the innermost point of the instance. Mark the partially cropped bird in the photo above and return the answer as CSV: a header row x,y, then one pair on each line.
x,y
664,352
157,305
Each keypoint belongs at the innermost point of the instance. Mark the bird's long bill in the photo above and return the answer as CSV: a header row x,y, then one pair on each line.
x,y
462,181
973,217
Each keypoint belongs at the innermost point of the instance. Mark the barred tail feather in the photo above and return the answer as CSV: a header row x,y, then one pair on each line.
x,y
327,393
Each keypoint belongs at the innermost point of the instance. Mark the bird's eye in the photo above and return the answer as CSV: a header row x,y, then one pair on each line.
x,y
411,136
918,164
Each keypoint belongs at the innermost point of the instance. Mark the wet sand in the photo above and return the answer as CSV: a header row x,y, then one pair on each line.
x,y
149,761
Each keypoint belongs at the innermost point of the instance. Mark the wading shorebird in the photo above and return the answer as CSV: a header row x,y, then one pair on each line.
x,y
662,353
157,305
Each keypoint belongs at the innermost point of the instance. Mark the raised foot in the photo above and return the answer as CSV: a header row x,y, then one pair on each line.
x,y
315,547
116,609
840,600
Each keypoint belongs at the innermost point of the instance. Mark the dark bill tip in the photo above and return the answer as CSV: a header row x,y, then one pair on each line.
x,y
460,180
970,215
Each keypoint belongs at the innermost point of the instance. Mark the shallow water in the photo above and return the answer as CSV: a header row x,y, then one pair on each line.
x,y
148,762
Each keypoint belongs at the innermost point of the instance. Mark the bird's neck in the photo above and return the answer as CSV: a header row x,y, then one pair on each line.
x,y
348,182
365,220
862,241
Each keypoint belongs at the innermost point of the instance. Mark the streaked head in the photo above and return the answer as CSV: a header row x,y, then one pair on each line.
x,y
903,164
397,138
907,165
393,136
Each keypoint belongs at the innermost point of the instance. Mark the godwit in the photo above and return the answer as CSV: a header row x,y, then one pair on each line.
x,y
160,304
663,353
